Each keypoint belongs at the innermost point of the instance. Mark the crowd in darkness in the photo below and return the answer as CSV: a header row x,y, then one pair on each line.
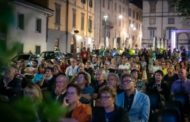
x,y
146,86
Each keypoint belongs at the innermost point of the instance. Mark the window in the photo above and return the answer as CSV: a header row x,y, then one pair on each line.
x,y
152,6
57,14
169,31
82,21
74,18
39,25
115,6
90,3
108,4
103,3
90,24
129,22
134,14
171,21
83,1
119,9
20,23
171,8
37,49
129,12
152,20
137,14
152,32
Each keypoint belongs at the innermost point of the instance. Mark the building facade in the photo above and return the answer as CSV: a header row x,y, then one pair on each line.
x,y
29,27
162,25
72,26
135,26
112,27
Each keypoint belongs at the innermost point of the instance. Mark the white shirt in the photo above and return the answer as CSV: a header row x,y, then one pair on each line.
x,y
70,71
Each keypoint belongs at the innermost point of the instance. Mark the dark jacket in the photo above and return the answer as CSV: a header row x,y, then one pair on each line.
x,y
165,90
119,115
13,89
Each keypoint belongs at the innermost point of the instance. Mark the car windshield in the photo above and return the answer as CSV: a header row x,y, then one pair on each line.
x,y
25,57
48,55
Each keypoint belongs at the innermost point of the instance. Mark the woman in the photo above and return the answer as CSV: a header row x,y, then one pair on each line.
x,y
113,82
38,77
109,112
33,92
82,81
77,111
47,84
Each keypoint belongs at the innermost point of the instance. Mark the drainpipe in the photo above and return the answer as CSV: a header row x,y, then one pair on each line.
x,y
100,25
162,20
86,41
47,21
67,25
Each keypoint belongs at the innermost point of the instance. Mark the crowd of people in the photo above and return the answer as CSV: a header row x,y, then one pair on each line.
x,y
106,88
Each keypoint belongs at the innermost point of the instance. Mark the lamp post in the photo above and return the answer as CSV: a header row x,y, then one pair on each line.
x,y
120,17
131,28
105,29
74,44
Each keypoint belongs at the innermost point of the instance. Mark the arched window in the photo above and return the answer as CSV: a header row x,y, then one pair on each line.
x,y
153,6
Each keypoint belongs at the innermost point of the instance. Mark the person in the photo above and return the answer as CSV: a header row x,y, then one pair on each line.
x,y
140,85
77,111
82,81
33,92
182,85
97,84
136,103
159,86
170,77
113,81
181,91
84,55
38,77
59,92
72,70
11,84
47,83
82,69
109,112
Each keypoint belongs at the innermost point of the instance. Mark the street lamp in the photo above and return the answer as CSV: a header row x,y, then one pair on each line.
x,y
120,17
105,29
74,43
131,28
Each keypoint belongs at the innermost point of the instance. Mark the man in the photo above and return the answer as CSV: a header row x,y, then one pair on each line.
x,y
181,90
159,86
109,112
84,55
11,84
72,70
61,83
97,84
137,104
182,85
140,85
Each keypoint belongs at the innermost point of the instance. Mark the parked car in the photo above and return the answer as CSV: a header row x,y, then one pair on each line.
x,y
27,58
48,55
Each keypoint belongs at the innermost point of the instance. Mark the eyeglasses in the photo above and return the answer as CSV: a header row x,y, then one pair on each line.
x,y
105,97
126,81
71,93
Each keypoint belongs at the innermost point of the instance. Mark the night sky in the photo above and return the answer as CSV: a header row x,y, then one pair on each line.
x,y
137,2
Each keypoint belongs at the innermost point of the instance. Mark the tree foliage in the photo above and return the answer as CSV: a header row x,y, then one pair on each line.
x,y
182,6
26,110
